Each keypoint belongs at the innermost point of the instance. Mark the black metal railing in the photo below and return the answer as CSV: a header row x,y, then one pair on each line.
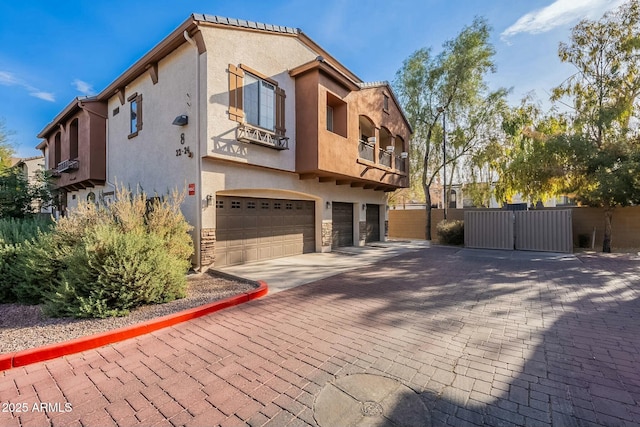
x,y
68,165
365,150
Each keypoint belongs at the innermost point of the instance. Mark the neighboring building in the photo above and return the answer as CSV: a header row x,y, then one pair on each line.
x,y
29,166
282,149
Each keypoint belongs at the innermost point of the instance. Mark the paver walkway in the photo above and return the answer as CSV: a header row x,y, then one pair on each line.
x,y
529,341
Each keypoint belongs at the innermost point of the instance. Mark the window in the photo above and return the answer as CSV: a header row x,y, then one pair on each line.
x,y
329,118
57,150
336,115
259,102
73,139
256,100
135,114
385,102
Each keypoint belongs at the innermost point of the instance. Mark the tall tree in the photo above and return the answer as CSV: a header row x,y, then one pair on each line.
x,y
18,196
604,141
450,83
6,150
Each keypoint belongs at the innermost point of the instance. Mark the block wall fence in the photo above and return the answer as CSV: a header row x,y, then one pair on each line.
x,y
411,223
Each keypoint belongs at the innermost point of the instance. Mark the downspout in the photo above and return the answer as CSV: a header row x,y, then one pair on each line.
x,y
198,234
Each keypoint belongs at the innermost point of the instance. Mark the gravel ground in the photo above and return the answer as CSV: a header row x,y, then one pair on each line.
x,y
25,326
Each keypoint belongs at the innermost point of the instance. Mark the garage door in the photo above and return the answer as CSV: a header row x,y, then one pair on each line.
x,y
253,229
342,224
373,223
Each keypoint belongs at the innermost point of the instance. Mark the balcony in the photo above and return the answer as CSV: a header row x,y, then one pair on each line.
x,y
366,150
67,166
401,164
384,158
254,135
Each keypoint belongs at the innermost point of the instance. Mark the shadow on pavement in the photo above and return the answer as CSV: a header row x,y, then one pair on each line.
x,y
517,341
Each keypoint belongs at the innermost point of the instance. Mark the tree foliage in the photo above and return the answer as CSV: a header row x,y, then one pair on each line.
x,y
19,197
603,143
450,83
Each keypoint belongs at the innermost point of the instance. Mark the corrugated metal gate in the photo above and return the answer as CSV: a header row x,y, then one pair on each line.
x,y
548,231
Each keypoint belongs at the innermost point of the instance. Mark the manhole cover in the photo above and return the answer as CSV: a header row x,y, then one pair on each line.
x,y
369,400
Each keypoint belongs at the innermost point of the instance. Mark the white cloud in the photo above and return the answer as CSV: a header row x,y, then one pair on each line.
x,y
45,96
558,13
9,79
83,87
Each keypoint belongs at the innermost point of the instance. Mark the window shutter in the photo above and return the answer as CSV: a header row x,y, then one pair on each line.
x,y
236,76
139,108
280,104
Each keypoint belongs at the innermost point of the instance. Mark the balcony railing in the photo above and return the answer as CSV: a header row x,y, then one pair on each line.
x,y
365,151
68,166
254,135
384,158
401,164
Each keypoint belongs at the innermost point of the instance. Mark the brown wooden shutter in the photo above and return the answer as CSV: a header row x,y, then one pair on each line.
x,y
139,111
236,82
280,104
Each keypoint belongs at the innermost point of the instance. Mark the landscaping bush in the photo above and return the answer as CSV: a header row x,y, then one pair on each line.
x,y
584,241
450,232
113,271
103,260
17,239
14,230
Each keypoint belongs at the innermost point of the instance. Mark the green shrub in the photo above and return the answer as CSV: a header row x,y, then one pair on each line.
x,y
584,241
114,271
110,259
13,230
450,232
17,239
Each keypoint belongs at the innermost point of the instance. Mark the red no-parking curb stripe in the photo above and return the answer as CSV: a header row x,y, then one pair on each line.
x,y
40,354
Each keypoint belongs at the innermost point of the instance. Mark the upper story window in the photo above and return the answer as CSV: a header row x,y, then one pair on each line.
x,y
336,115
256,100
135,114
385,102
259,102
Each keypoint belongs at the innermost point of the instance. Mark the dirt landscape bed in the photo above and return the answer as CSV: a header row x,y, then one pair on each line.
x,y
25,326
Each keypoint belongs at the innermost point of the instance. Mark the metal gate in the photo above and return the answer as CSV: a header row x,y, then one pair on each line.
x,y
548,230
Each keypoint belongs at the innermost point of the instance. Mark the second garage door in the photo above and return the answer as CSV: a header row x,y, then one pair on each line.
x,y
342,214
253,229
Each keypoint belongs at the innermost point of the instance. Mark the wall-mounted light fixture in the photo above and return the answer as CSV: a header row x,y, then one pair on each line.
x,y
404,155
181,120
328,205
209,200
364,206
371,140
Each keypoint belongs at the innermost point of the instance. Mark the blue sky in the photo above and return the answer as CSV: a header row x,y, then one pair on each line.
x,y
53,51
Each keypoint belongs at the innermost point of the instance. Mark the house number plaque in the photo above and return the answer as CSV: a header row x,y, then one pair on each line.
x,y
183,150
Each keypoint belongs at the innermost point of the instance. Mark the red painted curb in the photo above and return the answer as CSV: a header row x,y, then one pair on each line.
x,y
40,354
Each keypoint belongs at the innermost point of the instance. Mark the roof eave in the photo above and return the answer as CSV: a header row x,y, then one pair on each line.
x,y
159,51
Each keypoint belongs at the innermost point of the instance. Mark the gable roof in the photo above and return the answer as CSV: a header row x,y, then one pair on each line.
x,y
189,28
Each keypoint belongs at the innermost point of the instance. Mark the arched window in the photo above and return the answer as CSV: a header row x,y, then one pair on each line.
x,y
73,140
57,149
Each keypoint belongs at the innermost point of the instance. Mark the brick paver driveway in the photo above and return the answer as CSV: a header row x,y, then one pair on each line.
x,y
484,341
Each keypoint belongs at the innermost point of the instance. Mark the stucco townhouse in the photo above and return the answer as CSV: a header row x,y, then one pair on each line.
x,y
280,149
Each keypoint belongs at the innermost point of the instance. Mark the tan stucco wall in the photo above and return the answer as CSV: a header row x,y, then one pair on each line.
x,y
149,159
270,54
